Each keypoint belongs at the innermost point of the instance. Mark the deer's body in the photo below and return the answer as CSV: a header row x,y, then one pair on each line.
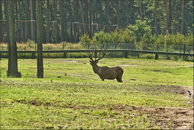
x,y
109,73
105,72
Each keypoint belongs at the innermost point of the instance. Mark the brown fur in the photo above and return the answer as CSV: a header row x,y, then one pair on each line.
x,y
106,72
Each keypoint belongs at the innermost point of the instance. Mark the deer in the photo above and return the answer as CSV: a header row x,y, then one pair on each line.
x,y
105,72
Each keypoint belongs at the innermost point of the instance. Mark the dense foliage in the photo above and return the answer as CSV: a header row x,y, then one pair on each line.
x,y
140,33
166,15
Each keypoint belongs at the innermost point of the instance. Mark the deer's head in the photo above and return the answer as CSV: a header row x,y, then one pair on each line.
x,y
94,62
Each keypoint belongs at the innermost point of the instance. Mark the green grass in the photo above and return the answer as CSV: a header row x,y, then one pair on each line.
x,y
72,96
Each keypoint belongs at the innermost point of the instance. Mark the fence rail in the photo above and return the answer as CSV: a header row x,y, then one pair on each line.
x,y
98,50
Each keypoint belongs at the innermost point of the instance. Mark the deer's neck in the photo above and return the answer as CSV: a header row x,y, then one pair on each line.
x,y
96,68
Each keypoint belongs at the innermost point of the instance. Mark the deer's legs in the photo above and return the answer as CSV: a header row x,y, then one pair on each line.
x,y
119,79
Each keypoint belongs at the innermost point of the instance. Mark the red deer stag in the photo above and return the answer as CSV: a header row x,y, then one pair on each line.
x,y
106,72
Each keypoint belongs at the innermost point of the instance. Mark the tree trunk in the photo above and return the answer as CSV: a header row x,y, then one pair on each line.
x,y
118,12
94,18
167,15
17,36
170,16
126,2
6,23
101,17
65,21
48,23
43,32
62,19
34,10
75,20
70,22
156,17
56,24
1,23
86,16
140,10
39,39
21,25
106,27
82,16
182,18
90,18
12,61
26,18
32,22
112,15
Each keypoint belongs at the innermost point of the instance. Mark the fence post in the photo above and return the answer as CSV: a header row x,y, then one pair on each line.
x,y
138,52
180,51
24,53
88,46
126,54
32,55
115,48
48,52
64,56
184,51
70,52
156,55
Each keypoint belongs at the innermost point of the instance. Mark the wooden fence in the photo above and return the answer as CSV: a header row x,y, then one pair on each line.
x,y
125,51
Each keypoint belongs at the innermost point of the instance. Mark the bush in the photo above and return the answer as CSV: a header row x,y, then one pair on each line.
x,y
85,40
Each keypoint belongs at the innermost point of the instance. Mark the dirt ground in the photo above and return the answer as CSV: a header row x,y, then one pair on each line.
x,y
163,117
180,118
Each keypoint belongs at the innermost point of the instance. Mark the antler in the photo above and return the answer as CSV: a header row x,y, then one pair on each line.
x,y
104,54
91,55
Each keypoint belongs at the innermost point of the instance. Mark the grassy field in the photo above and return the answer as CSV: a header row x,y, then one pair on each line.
x,y
153,95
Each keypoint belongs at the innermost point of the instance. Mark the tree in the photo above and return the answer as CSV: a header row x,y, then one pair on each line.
x,y
26,18
48,23
106,27
82,16
39,39
86,16
6,25
56,23
12,61
70,21
140,10
170,16
65,21
182,18
90,18
166,2
16,3
62,19
32,23
1,23
126,2
118,12
75,6
112,14
155,16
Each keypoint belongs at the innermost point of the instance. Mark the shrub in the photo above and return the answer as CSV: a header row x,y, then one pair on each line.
x,y
84,40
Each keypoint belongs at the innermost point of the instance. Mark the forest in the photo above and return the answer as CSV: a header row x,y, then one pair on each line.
x,y
69,20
